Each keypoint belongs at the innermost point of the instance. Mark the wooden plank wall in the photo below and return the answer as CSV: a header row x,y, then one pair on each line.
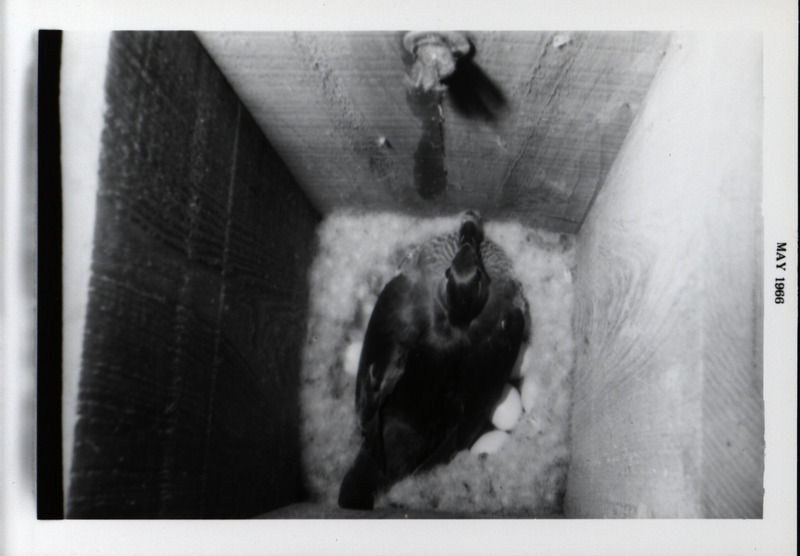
x,y
668,414
188,394
339,115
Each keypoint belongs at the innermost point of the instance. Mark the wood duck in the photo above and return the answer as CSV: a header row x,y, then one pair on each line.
x,y
439,347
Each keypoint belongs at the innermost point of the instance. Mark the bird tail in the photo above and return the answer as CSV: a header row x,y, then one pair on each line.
x,y
361,483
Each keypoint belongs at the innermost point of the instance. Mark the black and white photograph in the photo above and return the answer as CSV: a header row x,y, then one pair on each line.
x,y
415,287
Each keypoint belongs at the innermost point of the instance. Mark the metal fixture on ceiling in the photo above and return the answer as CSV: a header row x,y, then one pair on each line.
x,y
442,62
435,57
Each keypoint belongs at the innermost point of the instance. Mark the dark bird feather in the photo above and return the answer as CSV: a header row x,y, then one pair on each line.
x,y
439,347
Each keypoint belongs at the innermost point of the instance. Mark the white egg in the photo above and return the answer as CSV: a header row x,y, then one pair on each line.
x,y
508,410
490,442
351,357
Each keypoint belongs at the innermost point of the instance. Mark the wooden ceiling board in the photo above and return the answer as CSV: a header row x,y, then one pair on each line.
x,y
334,106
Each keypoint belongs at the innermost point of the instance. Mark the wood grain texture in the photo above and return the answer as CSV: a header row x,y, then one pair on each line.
x,y
335,106
668,415
188,394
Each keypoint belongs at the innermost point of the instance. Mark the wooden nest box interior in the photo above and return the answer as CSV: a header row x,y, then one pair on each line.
x,y
227,157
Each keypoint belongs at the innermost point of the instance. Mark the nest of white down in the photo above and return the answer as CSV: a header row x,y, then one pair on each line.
x,y
524,473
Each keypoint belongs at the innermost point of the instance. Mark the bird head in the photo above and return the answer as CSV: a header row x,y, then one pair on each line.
x,y
471,229
467,286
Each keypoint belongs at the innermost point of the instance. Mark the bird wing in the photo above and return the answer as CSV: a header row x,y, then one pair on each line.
x,y
485,372
497,336
390,333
